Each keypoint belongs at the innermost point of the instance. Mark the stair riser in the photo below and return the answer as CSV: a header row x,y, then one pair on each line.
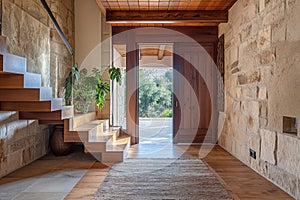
x,y
45,93
67,112
112,157
14,64
56,104
29,80
29,106
41,116
83,118
32,80
95,147
74,136
42,94
11,81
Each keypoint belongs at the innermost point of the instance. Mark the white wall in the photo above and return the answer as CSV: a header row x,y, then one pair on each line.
x,y
87,32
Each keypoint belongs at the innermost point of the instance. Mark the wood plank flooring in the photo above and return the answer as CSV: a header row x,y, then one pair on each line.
x,y
236,177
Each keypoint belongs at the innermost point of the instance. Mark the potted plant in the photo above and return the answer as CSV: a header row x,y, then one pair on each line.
x,y
89,87
69,82
84,89
103,88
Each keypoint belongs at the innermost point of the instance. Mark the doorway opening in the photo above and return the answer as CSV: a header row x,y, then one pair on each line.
x,y
155,93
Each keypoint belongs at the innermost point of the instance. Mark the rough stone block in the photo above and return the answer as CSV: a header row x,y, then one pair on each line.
x,y
263,109
263,122
249,12
242,79
284,179
264,38
254,77
288,154
278,31
28,155
254,143
268,146
3,151
2,131
249,92
275,14
17,129
261,5
4,117
14,161
265,58
262,92
293,25
36,10
234,54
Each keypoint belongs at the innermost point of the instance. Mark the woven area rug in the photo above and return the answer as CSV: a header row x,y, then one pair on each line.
x,y
138,179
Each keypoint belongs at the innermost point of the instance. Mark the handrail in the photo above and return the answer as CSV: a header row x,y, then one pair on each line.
x,y
60,32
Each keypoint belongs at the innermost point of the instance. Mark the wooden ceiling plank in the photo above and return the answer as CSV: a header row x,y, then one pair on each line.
x,y
101,7
166,16
161,52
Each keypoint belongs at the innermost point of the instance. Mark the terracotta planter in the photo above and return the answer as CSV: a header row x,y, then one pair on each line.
x,y
57,144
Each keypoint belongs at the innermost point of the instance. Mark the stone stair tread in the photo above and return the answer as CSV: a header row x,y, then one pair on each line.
x,y
117,147
100,138
88,126
111,130
81,119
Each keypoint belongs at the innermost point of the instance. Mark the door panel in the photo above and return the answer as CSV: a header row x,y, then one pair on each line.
x,y
193,106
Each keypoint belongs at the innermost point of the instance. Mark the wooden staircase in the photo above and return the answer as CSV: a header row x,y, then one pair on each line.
x,y
22,91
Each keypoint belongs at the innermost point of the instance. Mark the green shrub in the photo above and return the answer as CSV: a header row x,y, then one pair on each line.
x,y
167,113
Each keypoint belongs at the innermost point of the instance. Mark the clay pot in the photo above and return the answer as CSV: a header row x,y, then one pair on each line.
x,y
57,144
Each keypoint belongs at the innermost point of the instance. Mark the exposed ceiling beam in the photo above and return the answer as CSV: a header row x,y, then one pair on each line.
x,y
161,52
166,16
101,7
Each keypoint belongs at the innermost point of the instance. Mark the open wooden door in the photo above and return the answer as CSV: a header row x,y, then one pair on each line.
x,y
193,107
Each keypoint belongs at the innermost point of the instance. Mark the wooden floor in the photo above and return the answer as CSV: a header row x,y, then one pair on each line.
x,y
237,178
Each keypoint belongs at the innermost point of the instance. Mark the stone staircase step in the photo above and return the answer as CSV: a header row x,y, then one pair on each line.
x,y
13,80
67,112
80,119
13,63
59,115
94,147
26,94
116,152
106,124
32,106
83,132
32,80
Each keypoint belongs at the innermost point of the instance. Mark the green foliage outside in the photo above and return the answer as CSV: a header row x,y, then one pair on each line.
x,y
167,113
155,93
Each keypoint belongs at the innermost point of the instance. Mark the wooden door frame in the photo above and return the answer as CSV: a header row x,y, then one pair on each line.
x,y
202,35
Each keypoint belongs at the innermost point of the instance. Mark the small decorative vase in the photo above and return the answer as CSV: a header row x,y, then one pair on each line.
x,y
57,144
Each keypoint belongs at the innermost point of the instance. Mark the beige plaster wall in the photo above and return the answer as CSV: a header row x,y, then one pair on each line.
x,y
93,44
262,68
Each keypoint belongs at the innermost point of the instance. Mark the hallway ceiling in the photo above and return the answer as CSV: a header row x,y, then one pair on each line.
x,y
165,12
167,4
